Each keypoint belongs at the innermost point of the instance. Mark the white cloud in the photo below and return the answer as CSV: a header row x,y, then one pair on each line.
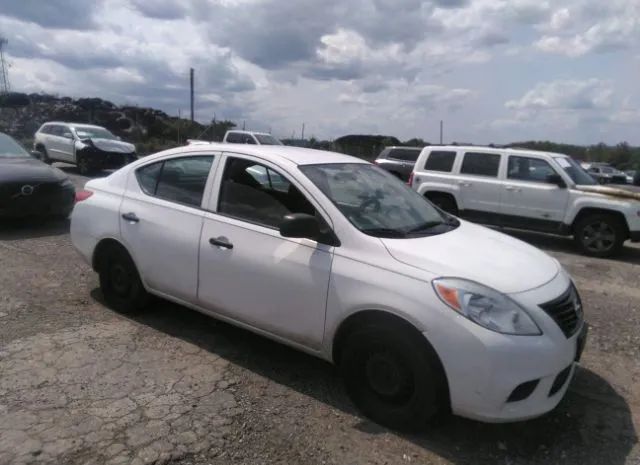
x,y
564,95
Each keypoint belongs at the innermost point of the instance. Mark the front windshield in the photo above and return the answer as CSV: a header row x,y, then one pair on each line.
x,y
266,139
9,148
575,171
88,132
376,202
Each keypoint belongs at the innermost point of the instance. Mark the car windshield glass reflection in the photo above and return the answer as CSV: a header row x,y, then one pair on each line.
x,y
9,148
376,202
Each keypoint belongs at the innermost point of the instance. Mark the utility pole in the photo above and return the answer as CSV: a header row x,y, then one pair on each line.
x,y
302,134
243,124
4,68
191,87
441,131
179,124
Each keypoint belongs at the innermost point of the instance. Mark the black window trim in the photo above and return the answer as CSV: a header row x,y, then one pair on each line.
x,y
484,176
389,155
217,186
507,178
173,157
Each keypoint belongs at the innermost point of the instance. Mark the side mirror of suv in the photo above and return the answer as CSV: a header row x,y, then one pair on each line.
x,y
557,180
300,225
67,135
36,154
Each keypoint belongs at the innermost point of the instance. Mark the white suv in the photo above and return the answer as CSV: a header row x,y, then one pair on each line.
x,y
87,146
524,189
250,137
422,312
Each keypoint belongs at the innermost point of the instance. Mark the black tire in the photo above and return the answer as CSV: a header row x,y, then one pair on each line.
x,y
393,377
600,235
120,282
84,165
444,202
45,155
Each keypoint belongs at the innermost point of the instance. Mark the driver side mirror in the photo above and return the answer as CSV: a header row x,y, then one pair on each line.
x,y
36,154
300,225
67,135
557,180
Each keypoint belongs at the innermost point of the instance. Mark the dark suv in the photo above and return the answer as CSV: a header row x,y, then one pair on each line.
x,y
398,161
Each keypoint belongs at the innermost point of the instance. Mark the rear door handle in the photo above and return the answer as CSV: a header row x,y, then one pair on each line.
x,y
464,184
131,217
513,188
221,242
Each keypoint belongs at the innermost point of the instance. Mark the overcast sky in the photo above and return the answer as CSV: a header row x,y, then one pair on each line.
x,y
493,70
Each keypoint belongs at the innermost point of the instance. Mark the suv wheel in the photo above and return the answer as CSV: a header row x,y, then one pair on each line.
x,y
391,377
45,155
444,202
600,235
84,167
120,282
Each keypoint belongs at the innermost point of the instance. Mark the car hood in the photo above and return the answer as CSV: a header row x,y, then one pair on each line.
x,y
28,170
609,191
479,254
110,145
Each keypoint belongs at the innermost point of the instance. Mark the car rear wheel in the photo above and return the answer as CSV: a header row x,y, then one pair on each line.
x,y
120,282
444,202
391,377
600,235
45,155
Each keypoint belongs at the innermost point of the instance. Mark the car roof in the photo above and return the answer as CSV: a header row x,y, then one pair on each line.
x,y
66,123
499,150
242,131
402,147
289,154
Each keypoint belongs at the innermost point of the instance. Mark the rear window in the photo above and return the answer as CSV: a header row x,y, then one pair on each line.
x,y
404,154
440,160
481,164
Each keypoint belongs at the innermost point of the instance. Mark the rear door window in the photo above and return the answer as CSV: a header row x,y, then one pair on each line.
x,y
404,154
181,180
234,138
481,164
440,160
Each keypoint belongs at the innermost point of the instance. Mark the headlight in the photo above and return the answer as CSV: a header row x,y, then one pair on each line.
x,y
485,306
66,183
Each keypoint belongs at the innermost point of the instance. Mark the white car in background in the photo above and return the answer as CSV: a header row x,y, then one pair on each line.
x,y
87,146
250,137
423,313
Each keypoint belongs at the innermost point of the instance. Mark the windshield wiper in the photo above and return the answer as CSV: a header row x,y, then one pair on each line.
x,y
385,232
425,226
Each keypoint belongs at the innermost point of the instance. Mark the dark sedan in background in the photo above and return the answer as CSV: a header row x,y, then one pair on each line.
x,y
29,187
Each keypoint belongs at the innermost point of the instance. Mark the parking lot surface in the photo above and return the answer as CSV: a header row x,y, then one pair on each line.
x,y
82,384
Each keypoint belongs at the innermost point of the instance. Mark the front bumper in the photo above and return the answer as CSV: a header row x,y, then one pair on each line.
x,y
45,200
100,159
484,368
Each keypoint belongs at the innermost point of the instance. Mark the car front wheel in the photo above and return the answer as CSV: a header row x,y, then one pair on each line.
x,y
392,377
120,282
600,235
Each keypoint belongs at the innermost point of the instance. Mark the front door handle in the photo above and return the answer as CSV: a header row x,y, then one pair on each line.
x,y
513,188
221,242
131,217
464,183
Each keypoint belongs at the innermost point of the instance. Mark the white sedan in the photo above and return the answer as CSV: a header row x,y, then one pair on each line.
x,y
422,312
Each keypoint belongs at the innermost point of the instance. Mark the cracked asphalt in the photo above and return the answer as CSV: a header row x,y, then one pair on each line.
x,y
82,384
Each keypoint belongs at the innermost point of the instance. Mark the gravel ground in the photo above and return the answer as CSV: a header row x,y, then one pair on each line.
x,y
81,384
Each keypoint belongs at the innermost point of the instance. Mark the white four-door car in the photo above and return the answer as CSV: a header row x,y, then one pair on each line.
x,y
525,189
87,146
422,312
